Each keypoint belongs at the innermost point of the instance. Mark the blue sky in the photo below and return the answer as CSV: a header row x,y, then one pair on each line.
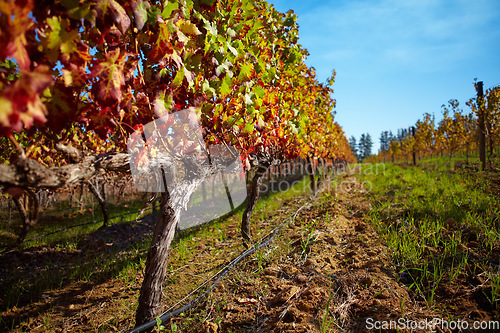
x,y
397,59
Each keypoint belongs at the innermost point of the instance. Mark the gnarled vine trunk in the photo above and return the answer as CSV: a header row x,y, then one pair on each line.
x,y
311,172
100,193
28,206
156,262
175,198
252,198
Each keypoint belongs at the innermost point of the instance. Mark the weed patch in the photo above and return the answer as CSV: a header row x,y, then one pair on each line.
x,y
442,226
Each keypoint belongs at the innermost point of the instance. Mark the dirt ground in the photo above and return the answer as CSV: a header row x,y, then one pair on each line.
x,y
344,270
347,272
60,304
327,271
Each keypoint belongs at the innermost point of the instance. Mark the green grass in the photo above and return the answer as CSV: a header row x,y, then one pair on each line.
x,y
433,217
327,319
305,242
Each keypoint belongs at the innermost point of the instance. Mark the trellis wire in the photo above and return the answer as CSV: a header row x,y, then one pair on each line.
x,y
77,225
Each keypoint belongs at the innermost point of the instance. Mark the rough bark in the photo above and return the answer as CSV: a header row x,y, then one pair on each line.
x,y
30,173
28,207
172,201
311,172
252,198
156,262
100,193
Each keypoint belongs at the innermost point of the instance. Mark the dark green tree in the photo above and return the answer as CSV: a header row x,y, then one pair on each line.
x,y
365,146
354,146
385,140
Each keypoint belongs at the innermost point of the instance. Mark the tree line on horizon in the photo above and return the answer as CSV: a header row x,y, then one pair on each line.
x,y
457,133
363,148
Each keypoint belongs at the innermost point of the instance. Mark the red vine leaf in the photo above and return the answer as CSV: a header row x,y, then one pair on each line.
x,y
62,106
162,45
113,9
14,23
111,78
21,103
140,13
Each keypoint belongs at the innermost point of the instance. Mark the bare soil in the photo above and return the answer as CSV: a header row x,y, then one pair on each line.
x,y
345,269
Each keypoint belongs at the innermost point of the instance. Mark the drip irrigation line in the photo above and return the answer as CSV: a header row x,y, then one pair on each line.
x,y
263,242
227,269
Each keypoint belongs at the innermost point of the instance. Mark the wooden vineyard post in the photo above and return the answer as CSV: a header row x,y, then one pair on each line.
x,y
482,129
413,152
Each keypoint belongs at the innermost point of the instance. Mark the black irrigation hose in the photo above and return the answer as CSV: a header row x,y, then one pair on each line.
x,y
226,270
265,241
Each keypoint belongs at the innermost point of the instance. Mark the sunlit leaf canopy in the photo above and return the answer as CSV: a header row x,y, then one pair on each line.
x,y
90,73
